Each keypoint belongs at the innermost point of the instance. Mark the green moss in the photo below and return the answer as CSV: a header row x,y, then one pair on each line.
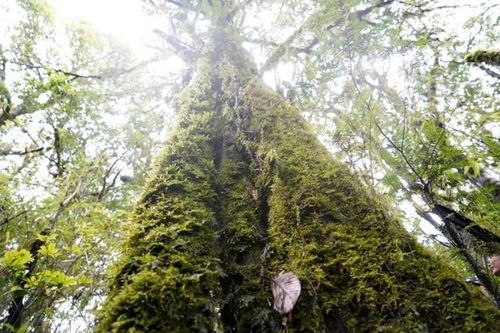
x,y
242,191
359,269
167,280
490,57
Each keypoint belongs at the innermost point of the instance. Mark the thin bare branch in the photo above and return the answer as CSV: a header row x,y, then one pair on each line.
x,y
7,219
26,151
183,50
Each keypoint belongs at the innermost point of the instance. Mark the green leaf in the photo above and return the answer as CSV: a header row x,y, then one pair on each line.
x,y
82,279
10,327
476,168
15,288
23,329
57,278
46,238
75,249
49,250
17,258
31,282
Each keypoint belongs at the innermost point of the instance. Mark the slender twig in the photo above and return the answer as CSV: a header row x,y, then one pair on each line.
x,y
464,133
431,154
8,219
391,142
402,153
26,151
489,72
105,187
185,51
74,75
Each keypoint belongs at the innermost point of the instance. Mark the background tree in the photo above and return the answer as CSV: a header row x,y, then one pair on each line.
x,y
69,170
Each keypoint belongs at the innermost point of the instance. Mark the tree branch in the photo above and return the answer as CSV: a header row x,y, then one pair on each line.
x,y
105,187
7,219
74,75
465,223
391,142
483,278
183,50
285,47
489,72
26,151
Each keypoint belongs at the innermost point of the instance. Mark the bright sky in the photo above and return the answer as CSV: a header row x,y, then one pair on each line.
x,y
123,19
127,21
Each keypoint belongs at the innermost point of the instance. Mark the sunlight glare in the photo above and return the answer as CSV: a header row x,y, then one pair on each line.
x,y
123,19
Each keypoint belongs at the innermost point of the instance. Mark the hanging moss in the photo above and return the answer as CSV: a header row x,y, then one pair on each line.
x,y
244,190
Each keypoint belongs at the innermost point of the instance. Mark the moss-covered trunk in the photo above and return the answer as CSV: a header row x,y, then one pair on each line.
x,y
244,190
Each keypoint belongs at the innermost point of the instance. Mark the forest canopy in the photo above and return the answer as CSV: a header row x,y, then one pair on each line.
x,y
166,175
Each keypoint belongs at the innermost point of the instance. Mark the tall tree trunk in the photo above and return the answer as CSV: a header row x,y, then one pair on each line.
x,y
244,190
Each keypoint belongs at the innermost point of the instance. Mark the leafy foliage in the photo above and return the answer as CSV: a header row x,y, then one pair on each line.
x,y
63,158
